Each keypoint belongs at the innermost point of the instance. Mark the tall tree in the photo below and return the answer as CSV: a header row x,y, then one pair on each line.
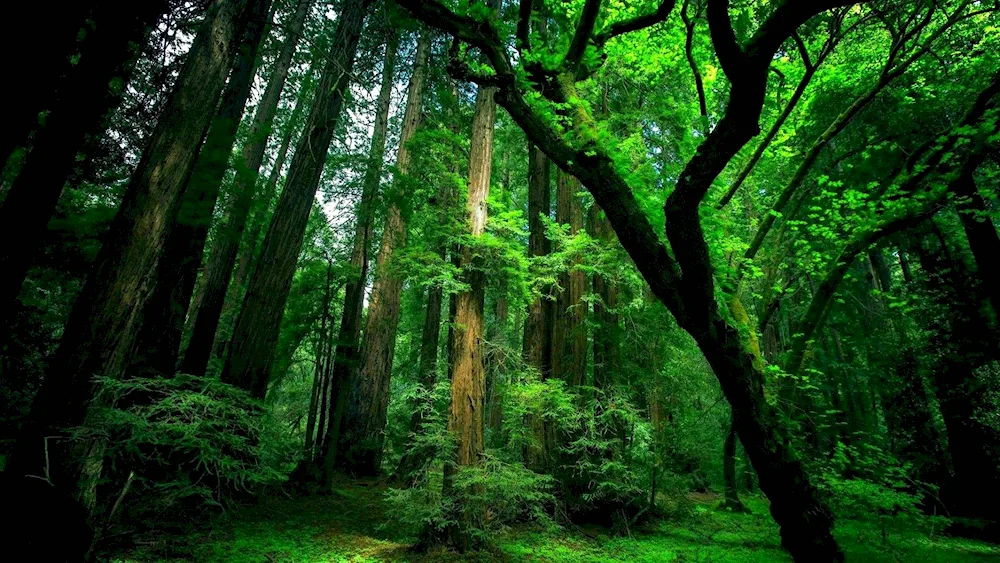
x,y
162,318
249,357
91,87
226,244
569,331
367,397
468,385
100,330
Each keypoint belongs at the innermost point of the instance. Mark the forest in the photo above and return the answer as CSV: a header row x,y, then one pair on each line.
x,y
500,280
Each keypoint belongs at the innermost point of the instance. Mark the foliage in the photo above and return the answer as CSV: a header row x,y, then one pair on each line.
x,y
187,443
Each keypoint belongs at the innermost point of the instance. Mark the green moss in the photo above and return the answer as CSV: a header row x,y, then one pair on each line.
x,y
352,525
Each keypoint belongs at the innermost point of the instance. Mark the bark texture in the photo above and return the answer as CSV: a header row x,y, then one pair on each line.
x,y
367,393
162,318
569,330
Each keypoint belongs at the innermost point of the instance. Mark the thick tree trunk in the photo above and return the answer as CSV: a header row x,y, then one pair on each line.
x,y
569,331
226,242
606,355
466,413
537,349
162,318
99,332
249,357
78,109
366,395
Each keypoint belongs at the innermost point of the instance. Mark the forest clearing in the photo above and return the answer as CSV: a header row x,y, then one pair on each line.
x,y
501,280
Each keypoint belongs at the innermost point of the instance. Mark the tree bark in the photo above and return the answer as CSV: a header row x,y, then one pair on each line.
x,y
468,385
569,331
78,109
249,357
366,395
99,332
537,349
162,318
226,243
733,501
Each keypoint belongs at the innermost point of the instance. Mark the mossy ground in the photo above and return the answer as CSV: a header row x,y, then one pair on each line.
x,y
352,525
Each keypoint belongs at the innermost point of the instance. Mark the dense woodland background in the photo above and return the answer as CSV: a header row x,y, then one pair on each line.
x,y
312,280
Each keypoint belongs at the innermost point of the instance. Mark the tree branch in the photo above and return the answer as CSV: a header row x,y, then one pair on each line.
x,y
584,30
636,23
524,25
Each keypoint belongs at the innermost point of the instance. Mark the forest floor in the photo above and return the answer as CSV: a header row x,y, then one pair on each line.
x,y
354,525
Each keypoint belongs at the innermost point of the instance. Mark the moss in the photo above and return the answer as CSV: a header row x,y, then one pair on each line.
x,y
353,526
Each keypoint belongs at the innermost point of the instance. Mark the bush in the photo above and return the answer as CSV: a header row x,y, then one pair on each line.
x,y
182,445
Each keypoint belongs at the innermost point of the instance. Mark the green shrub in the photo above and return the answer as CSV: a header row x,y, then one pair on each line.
x,y
184,444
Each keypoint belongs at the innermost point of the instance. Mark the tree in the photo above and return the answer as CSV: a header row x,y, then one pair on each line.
x,y
225,248
366,393
90,89
248,359
468,385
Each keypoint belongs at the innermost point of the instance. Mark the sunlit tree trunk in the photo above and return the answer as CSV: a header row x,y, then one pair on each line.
x,y
249,357
366,395
226,242
468,385
162,317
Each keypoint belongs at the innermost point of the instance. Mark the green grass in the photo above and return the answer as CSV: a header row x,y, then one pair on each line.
x,y
352,525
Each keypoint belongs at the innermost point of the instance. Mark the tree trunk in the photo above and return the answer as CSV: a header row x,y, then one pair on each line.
x,y
729,471
606,356
162,318
366,395
537,349
249,357
99,332
465,416
982,236
78,109
226,241
569,331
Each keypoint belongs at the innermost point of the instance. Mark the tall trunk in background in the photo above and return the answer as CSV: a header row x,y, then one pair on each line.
x,y
247,253
345,356
569,331
41,63
733,501
249,357
162,318
606,355
465,415
323,342
537,349
366,396
101,326
79,108
226,241
982,237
